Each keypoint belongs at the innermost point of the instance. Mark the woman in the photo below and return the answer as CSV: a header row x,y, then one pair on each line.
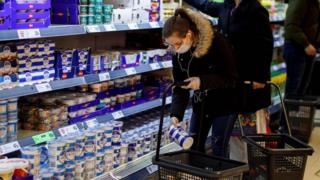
x,y
205,60
245,23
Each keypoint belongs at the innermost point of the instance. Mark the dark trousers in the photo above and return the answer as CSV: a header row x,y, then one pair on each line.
x,y
299,70
221,131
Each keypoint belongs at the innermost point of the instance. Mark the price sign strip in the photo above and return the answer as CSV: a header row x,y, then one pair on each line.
x,y
117,115
69,130
9,148
44,137
28,33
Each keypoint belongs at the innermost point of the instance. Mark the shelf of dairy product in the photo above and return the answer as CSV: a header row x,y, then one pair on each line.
x,y
33,124
32,67
116,147
142,165
72,30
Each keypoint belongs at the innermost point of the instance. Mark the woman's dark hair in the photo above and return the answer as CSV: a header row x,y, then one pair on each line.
x,y
180,23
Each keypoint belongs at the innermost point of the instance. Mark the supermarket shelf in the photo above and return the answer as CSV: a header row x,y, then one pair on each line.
x,y
87,79
51,31
71,30
123,27
71,129
144,164
278,67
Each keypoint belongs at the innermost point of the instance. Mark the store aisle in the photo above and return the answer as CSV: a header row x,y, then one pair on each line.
x,y
313,164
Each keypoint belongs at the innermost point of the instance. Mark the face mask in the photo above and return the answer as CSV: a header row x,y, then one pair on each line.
x,y
183,48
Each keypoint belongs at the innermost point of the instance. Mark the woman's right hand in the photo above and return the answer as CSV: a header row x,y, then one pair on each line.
x,y
175,121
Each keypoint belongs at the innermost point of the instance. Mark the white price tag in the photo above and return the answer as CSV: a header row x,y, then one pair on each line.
x,y
167,64
93,29
151,169
168,100
104,76
92,123
28,33
44,87
109,27
117,115
155,66
10,147
154,24
130,71
133,26
69,130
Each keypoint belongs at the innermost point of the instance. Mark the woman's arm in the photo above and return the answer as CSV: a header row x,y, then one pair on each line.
x,y
180,97
208,7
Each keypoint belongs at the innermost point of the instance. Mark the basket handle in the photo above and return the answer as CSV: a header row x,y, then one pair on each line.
x,y
282,105
164,97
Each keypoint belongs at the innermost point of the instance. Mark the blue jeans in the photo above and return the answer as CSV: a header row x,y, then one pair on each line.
x,y
221,131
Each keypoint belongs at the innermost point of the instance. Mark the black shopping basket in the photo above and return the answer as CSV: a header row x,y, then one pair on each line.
x,y
300,111
191,165
277,157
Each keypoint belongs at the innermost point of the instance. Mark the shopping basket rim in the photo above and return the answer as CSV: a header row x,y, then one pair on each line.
x,y
308,150
243,167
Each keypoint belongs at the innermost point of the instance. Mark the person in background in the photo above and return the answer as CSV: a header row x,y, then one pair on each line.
x,y
301,39
203,59
245,23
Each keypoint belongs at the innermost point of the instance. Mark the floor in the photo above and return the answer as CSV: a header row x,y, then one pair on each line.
x,y
312,171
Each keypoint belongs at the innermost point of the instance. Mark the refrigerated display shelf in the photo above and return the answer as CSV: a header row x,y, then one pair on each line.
x,y
127,171
278,67
71,30
87,79
43,137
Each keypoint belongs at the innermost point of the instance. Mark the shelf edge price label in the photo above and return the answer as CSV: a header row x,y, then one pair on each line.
x,y
92,123
155,66
133,26
130,71
69,130
167,64
9,148
117,115
168,100
154,24
109,27
93,29
44,87
44,137
152,168
28,33
104,76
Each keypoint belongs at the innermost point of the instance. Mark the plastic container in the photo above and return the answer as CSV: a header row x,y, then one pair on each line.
x,y
4,117
12,128
3,107
301,114
6,171
3,132
12,104
275,157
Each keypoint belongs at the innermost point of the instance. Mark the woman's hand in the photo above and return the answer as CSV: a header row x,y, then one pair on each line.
x,y
175,121
194,83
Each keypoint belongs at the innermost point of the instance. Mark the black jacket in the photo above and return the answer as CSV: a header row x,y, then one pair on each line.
x,y
213,61
248,29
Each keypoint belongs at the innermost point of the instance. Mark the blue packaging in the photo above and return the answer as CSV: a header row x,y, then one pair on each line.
x,y
65,64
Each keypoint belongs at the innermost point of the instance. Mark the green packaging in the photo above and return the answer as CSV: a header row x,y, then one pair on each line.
x,y
83,19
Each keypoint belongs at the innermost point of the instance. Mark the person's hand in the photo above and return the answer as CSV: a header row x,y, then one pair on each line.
x,y
194,83
175,121
257,85
310,50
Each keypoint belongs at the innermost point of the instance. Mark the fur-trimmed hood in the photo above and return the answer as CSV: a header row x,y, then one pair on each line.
x,y
206,33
